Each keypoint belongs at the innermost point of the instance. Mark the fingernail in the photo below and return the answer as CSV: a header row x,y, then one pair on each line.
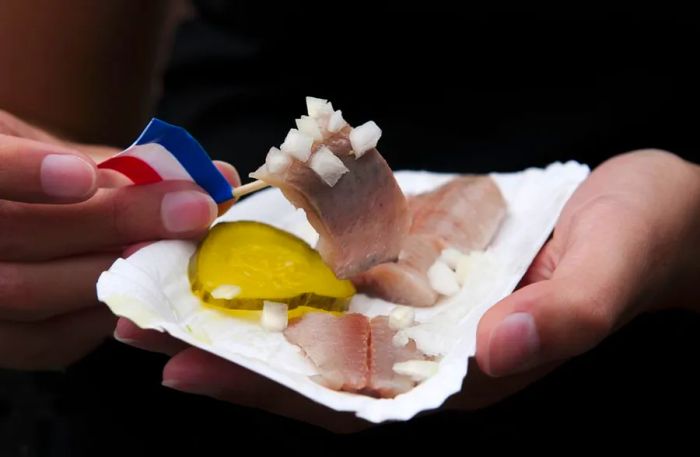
x,y
187,211
67,176
513,345
174,384
190,388
128,341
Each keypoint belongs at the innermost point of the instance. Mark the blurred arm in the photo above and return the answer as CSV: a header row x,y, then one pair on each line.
x,y
86,70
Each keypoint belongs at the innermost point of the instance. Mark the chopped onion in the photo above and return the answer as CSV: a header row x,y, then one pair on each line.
x,y
277,161
417,370
442,279
401,317
336,122
297,145
463,270
329,167
317,107
365,137
451,257
309,126
225,292
400,339
274,316
466,267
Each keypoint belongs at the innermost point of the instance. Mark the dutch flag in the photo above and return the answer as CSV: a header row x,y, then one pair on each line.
x,y
166,152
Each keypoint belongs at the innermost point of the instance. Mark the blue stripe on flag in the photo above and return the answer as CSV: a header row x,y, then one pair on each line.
x,y
191,156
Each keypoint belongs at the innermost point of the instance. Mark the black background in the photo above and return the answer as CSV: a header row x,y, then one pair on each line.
x,y
468,91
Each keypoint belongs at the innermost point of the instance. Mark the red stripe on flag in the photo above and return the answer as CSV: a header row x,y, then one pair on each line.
x,y
133,168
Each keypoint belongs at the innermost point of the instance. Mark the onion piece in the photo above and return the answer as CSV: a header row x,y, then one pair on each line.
x,y
451,257
274,316
364,138
400,339
474,264
309,126
317,107
225,292
417,370
336,122
297,145
401,317
326,165
442,279
277,161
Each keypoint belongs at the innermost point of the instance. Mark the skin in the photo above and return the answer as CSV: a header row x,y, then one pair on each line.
x,y
68,77
627,242
49,315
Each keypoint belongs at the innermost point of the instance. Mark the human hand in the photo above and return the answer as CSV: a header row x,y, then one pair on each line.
x,y
59,230
627,241
620,246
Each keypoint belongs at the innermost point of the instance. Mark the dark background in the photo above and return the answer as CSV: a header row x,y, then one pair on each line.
x,y
456,91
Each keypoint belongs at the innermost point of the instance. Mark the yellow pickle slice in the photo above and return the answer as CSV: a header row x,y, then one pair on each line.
x,y
241,264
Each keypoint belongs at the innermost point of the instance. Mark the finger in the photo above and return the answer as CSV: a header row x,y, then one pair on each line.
x,y
37,291
134,248
150,340
199,372
543,265
13,126
593,290
108,178
231,175
54,343
31,171
113,218
229,172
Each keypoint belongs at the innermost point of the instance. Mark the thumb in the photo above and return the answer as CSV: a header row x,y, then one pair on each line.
x,y
590,291
545,321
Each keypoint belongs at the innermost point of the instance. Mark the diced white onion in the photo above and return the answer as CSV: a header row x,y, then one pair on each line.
x,y
274,316
297,145
474,264
364,138
317,107
400,339
309,126
463,270
401,317
225,292
451,257
277,161
329,167
336,122
442,279
417,370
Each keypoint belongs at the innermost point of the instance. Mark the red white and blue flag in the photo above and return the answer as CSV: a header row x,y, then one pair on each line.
x,y
166,152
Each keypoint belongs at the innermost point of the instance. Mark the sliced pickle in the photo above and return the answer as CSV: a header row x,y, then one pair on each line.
x,y
264,263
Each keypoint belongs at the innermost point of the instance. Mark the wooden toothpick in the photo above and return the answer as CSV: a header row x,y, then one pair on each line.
x,y
246,189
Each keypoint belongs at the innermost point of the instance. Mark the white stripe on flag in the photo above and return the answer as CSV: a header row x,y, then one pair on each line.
x,y
161,160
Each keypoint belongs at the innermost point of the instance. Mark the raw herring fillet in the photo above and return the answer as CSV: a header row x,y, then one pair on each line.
x,y
362,220
383,381
353,353
337,346
464,213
